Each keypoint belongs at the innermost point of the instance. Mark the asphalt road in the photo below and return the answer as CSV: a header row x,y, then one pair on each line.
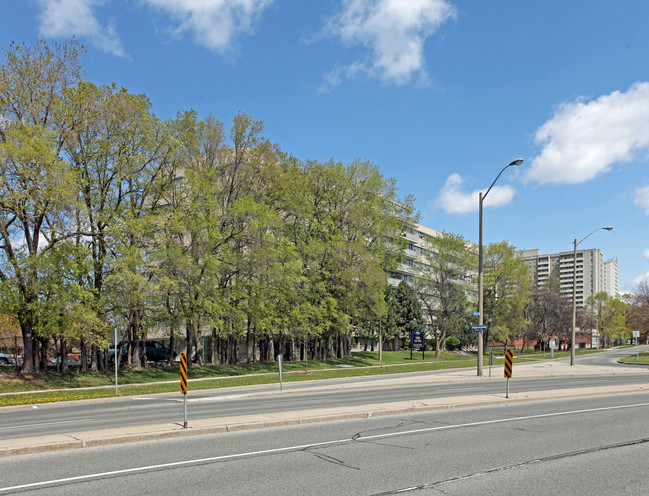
x,y
589,446
56,418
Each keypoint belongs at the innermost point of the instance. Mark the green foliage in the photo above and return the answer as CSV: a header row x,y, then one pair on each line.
x,y
453,343
404,310
506,292
37,186
445,283
609,316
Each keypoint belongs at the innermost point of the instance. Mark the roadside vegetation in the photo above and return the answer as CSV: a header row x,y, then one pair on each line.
x,y
640,358
119,227
16,389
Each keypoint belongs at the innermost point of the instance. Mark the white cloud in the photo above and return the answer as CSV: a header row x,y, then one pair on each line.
x,y
640,279
65,18
454,201
642,200
643,278
585,138
214,23
393,31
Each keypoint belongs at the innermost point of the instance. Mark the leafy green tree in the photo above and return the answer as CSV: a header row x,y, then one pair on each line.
x,y
408,315
609,316
506,292
119,150
65,314
340,218
637,310
37,187
444,282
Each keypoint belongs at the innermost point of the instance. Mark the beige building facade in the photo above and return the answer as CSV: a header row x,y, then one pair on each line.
x,y
594,275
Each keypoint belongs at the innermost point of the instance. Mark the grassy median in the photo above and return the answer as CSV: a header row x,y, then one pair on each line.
x,y
641,358
16,389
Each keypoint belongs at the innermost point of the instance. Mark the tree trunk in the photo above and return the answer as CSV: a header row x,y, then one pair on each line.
x,y
250,344
63,363
172,347
215,347
84,357
29,359
190,345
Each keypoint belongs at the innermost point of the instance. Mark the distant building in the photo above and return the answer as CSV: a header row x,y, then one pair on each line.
x,y
593,274
416,235
612,277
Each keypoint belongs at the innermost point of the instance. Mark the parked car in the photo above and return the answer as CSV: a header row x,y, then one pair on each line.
x,y
155,352
70,361
7,360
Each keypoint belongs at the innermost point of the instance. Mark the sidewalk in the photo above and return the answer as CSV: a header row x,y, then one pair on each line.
x,y
545,369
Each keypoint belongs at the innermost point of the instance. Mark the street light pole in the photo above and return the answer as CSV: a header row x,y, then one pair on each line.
x,y
573,334
481,198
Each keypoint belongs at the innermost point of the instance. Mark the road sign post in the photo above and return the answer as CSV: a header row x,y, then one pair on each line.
x,y
417,343
279,362
491,359
115,357
183,384
509,357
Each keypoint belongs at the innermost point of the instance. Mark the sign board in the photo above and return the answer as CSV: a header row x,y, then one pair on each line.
x,y
636,334
417,340
553,345
183,373
479,328
509,356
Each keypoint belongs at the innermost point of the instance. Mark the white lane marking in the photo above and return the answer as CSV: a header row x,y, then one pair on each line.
x,y
46,423
127,471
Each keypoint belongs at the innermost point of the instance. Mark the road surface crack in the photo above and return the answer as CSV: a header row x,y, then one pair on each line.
x,y
434,485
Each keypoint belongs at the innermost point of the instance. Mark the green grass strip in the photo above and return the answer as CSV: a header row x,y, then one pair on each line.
x,y
71,386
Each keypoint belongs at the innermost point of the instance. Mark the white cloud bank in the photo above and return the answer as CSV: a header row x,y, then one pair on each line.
x,y
215,24
453,200
585,138
65,18
641,199
643,278
393,31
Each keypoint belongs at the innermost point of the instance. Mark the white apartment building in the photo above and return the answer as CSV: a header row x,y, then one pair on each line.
x,y
612,277
593,274
416,235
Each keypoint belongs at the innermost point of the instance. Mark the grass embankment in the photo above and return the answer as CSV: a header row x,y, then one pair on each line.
x,y
16,389
642,358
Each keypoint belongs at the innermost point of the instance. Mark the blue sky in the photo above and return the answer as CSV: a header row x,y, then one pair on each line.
x,y
440,94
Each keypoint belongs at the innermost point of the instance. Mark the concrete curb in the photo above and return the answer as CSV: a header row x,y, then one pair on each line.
x,y
75,440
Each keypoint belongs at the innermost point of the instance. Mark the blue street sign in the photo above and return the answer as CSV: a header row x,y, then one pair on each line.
x,y
479,328
417,340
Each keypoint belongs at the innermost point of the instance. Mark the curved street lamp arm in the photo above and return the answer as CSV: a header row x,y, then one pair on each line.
x,y
516,162
607,228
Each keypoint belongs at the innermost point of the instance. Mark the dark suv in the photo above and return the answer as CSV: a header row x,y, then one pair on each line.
x,y
155,352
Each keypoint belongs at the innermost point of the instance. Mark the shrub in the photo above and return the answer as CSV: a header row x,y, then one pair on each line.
x,y
453,343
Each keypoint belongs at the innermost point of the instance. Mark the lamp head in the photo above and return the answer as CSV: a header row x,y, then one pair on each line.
x,y
608,228
518,161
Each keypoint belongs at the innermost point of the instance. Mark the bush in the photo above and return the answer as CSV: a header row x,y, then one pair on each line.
x,y
453,343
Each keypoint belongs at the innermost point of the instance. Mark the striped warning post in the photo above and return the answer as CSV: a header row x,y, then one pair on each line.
x,y
183,373
509,356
